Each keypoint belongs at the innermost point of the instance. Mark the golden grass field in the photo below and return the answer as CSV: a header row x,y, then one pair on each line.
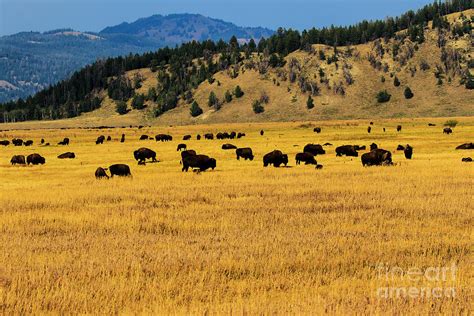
x,y
241,238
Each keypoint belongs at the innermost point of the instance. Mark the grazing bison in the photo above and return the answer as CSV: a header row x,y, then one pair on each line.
x,y
209,136
28,142
307,158
369,129
357,147
245,153
201,162
64,142
42,141
35,159
261,132
163,138
109,138
408,151
100,140
68,155
431,124
377,157
120,170
466,146
373,146
317,130
319,167
187,153
399,128
347,150
240,135
18,160
384,129
181,147
122,139
228,146
400,147
17,142
327,144
144,137
232,135
314,149
371,123
100,173
198,137
5,142
467,159
143,153
186,137
447,130
275,158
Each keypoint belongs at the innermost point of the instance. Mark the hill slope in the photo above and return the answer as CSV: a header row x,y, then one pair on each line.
x,y
31,61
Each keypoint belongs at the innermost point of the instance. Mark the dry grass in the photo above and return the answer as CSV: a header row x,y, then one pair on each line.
x,y
238,239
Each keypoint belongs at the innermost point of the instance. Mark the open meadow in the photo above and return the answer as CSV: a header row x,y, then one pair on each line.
x,y
240,238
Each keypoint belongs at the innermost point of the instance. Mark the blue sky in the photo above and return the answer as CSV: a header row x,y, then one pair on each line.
x,y
94,15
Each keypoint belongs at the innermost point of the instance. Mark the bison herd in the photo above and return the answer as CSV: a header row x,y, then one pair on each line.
x,y
200,162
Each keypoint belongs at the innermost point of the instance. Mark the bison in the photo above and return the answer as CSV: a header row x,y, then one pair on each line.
x,y
307,158
357,147
314,149
181,147
373,146
466,146
228,146
187,153
186,137
408,151
5,142
245,153
347,150
467,159
209,136
240,135
100,140
431,124
399,128
18,160
42,141
68,155
369,129
201,162
109,138
143,153
120,170
275,158
17,142
100,173
198,137
163,138
35,159
377,157
317,130
262,132
122,139
144,137
64,142
447,130
28,142
400,147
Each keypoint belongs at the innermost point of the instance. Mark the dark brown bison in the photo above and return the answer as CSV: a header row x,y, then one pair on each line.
x,y
18,160
307,158
68,155
186,137
4,142
314,149
373,146
35,159
144,137
42,141
245,153
371,123
467,159
100,140
408,151
399,128
275,158
100,173
201,162
400,147
357,147
240,135
143,153
317,130
122,139
181,147
377,157
431,124
209,136
17,142
28,142
447,130
228,146
327,144
163,138
261,132
319,167
64,142
346,150
384,129
232,135
198,137
466,146
120,170
369,129
187,153
109,138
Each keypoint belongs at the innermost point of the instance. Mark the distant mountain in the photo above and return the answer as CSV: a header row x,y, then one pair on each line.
x,y
31,61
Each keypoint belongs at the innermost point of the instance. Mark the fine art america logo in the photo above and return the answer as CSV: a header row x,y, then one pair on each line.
x,y
428,282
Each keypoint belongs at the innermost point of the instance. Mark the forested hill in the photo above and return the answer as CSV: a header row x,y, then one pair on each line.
x,y
317,68
31,61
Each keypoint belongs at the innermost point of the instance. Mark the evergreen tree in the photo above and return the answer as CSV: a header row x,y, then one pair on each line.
x,y
396,82
121,107
212,101
383,96
138,102
408,93
238,92
195,109
310,103
257,107
228,96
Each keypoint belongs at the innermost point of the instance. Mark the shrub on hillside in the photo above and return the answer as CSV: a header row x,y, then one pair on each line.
x,y
195,109
121,107
383,96
257,107
408,93
310,103
228,96
138,102
396,82
238,92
